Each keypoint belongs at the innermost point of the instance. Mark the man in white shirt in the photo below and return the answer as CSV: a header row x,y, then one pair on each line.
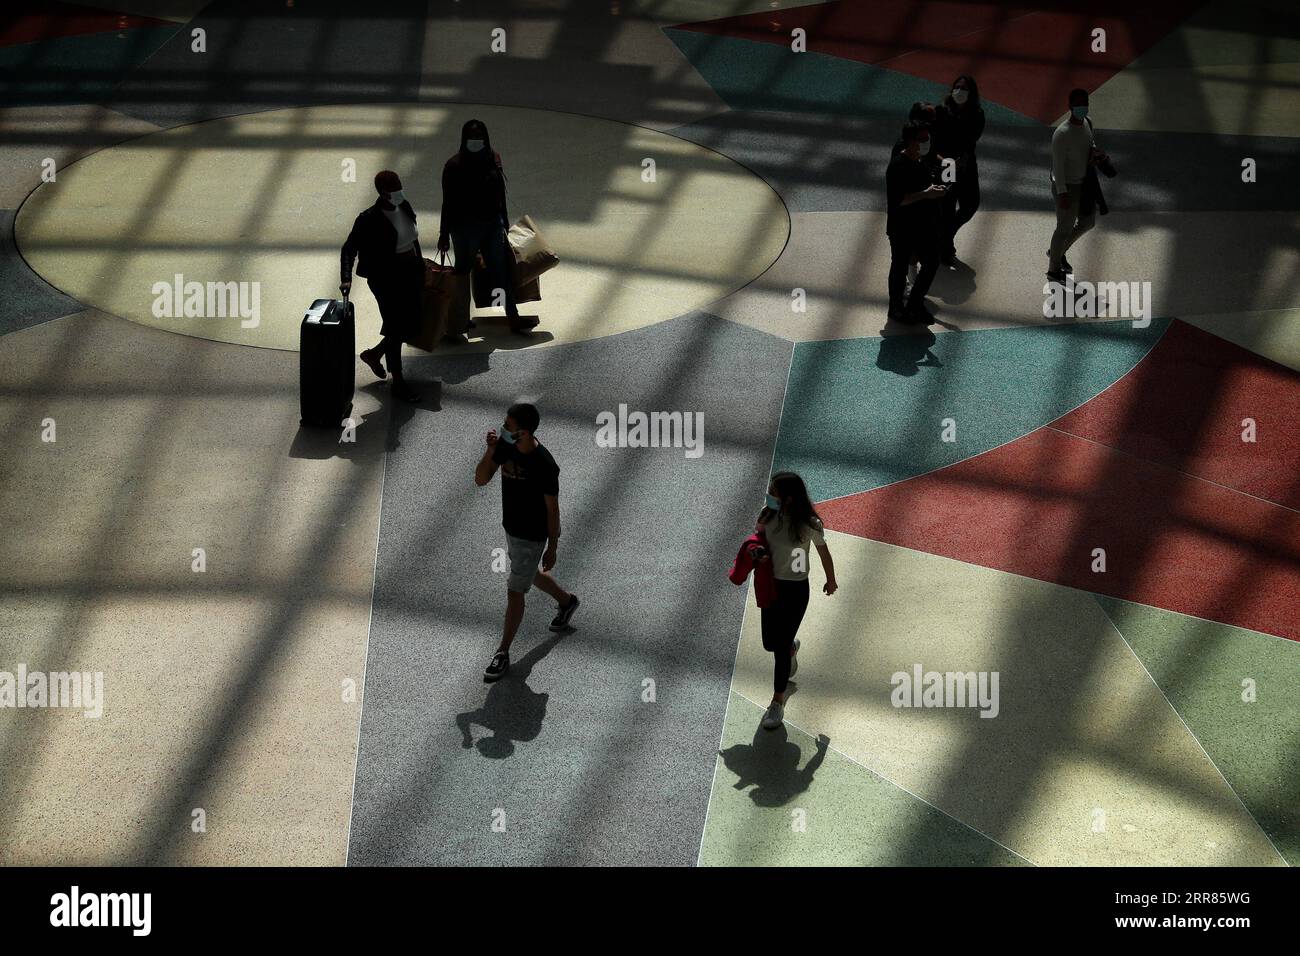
x,y
1073,150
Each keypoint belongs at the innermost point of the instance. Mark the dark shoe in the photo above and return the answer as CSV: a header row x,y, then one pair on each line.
x,y
1065,264
1057,275
371,358
949,258
524,323
406,393
895,313
918,313
498,667
471,324
561,619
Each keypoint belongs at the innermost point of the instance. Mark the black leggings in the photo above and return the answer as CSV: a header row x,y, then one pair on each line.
x,y
781,620
960,204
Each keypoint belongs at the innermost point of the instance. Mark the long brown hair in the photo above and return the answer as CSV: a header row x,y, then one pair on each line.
x,y
796,507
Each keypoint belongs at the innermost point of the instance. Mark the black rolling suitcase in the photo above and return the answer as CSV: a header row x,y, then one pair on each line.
x,y
326,364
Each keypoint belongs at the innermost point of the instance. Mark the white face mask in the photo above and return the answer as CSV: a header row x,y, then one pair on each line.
x,y
925,146
473,145
397,198
960,96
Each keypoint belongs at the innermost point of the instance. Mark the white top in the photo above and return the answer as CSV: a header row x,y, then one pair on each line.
x,y
405,226
1070,150
790,558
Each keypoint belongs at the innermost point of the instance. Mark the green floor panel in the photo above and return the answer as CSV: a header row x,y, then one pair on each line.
x,y
1202,667
849,425
752,75
76,69
780,799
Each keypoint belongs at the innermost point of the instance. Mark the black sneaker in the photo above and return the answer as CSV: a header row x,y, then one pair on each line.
x,y
497,669
918,314
1065,264
561,620
1057,275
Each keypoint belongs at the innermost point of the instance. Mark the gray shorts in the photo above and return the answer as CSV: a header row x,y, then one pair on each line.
x,y
525,556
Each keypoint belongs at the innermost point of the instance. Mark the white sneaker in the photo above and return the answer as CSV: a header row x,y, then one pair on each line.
x,y
774,717
794,658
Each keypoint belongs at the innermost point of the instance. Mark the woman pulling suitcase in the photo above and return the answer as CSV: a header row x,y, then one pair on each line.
x,y
386,246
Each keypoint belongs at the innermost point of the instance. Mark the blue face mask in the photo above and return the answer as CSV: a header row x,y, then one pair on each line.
x,y
773,503
1080,112
506,436
474,145
397,198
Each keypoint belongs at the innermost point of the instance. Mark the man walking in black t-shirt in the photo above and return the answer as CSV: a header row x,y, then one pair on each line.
x,y
530,506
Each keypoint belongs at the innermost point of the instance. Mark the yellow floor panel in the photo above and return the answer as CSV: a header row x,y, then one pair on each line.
x,y
62,133
1244,100
1086,762
261,199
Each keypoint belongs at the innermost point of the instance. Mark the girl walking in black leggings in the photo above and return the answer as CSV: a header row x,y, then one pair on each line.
x,y
791,524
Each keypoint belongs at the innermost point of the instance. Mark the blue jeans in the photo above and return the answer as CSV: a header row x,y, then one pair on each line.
x,y
489,238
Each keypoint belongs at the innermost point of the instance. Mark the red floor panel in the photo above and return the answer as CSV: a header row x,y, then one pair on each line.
x,y
67,20
1025,56
1183,406
1040,505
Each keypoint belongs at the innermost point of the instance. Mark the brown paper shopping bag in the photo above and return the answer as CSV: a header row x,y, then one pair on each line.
x,y
444,305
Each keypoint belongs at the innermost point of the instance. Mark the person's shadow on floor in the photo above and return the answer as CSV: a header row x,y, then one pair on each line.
x,y
954,284
771,766
512,711
906,354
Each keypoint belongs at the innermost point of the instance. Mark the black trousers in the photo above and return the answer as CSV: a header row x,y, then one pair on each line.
x,y
922,244
397,290
960,205
781,620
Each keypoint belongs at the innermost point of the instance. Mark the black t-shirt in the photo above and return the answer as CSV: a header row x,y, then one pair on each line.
x,y
525,480
904,176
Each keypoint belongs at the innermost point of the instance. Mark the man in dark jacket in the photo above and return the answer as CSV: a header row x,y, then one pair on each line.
x,y
386,246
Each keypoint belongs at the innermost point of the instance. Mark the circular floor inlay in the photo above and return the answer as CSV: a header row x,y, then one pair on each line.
x,y
264,201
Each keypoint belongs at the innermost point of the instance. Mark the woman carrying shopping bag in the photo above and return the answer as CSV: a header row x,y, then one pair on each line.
x,y
474,218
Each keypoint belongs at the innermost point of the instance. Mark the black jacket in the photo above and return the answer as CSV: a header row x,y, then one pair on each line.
x,y
956,131
473,185
374,240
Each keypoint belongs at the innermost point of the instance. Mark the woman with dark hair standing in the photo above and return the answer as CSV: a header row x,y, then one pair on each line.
x,y
958,126
474,218
790,523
